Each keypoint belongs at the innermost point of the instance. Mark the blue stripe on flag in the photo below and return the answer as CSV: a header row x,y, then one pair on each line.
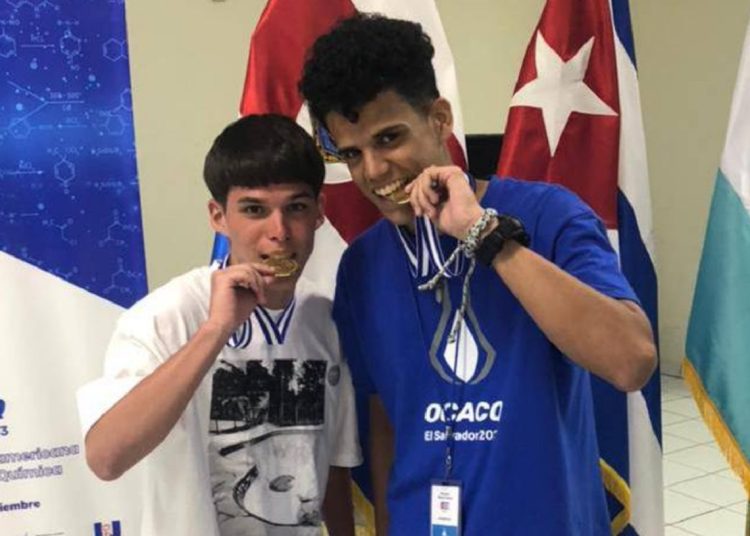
x,y
611,410
623,29
638,268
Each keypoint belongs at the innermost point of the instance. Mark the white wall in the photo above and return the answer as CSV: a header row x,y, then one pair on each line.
x,y
688,54
188,62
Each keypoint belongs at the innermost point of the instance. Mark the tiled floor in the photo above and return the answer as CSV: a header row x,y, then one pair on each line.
x,y
701,494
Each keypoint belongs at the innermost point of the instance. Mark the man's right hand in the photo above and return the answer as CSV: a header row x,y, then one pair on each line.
x,y
235,292
141,420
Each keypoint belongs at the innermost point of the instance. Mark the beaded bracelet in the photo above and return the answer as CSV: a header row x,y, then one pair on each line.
x,y
470,244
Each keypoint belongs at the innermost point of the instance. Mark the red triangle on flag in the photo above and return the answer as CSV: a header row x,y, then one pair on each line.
x,y
585,159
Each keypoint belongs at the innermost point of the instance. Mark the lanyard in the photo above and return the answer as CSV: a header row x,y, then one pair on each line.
x,y
425,257
456,400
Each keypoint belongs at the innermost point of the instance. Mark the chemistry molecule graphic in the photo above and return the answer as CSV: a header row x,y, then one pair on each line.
x,y
69,200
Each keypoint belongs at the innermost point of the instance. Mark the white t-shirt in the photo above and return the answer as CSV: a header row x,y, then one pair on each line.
x,y
253,447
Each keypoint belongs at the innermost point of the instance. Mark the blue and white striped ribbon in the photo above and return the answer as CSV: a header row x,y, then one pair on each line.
x,y
274,331
424,249
242,337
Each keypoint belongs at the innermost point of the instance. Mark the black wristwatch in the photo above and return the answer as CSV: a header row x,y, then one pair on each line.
x,y
508,228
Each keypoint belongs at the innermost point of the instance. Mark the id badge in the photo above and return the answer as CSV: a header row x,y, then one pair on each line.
x,y
445,508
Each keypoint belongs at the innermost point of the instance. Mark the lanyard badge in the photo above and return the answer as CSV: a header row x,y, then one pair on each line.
x,y
445,508
445,497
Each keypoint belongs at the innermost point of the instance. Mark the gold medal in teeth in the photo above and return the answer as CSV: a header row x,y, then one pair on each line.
x,y
282,266
400,197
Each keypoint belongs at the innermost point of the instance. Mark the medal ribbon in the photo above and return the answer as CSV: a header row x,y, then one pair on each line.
x,y
274,331
424,249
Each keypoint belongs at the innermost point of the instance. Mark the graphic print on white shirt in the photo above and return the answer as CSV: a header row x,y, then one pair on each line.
x,y
265,421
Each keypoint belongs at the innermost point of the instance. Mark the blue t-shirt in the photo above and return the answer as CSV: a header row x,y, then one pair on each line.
x,y
525,448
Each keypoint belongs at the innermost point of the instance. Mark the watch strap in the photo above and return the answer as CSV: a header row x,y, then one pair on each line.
x,y
508,228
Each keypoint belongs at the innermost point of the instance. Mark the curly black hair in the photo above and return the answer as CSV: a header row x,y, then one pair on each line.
x,y
363,56
260,150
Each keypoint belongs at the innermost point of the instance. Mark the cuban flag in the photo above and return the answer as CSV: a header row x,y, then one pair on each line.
x,y
575,120
71,244
717,366
285,31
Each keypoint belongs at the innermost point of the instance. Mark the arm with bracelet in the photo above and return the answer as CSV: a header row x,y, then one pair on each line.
x,y
576,318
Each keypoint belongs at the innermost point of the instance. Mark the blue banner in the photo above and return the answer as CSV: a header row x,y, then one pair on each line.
x,y
69,201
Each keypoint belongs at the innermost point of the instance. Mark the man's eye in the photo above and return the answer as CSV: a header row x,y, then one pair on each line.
x,y
298,207
253,210
347,155
389,137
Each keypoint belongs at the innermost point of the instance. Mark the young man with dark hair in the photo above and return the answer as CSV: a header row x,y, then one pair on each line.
x,y
472,314
228,381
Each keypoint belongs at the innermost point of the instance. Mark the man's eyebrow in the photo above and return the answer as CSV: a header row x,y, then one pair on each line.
x,y
387,128
249,199
341,149
256,200
302,195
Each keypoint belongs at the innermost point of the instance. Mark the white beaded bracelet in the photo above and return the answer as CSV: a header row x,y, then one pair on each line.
x,y
472,242
468,245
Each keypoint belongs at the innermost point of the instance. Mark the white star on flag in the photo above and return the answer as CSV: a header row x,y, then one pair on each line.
x,y
559,89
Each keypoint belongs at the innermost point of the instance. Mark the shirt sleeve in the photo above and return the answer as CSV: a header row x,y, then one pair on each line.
x,y
134,352
346,451
581,247
350,343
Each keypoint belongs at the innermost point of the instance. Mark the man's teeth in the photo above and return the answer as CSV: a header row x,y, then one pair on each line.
x,y
390,188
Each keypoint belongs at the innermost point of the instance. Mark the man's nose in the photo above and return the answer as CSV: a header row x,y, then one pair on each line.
x,y
277,227
374,166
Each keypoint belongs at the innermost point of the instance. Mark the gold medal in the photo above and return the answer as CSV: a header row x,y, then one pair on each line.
x,y
400,197
282,266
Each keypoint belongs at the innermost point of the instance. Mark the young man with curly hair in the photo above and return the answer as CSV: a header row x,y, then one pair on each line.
x,y
477,364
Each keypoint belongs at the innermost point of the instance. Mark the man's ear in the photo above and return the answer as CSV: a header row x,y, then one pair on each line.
x,y
441,117
217,217
321,210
